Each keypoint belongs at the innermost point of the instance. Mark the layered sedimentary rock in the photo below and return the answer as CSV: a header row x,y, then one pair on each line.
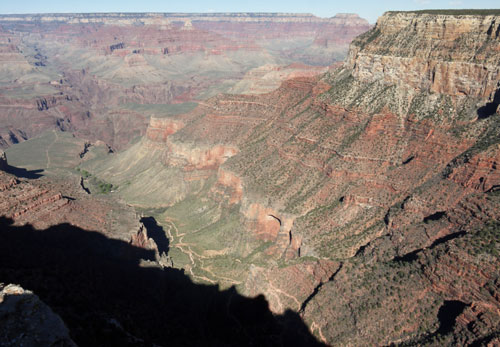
x,y
267,78
376,185
81,72
451,55
46,202
365,199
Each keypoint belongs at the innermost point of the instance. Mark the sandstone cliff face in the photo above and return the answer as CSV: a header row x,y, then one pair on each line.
x,y
452,55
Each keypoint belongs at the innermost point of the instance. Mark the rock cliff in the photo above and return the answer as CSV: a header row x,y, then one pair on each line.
x,y
46,202
451,55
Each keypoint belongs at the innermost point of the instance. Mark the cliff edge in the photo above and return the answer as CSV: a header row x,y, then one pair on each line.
x,y
456,55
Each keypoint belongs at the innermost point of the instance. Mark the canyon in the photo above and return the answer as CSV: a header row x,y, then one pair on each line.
x,y
235,158
100,75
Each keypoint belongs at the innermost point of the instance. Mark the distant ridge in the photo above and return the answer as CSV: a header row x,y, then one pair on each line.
x,y
176,15
156,18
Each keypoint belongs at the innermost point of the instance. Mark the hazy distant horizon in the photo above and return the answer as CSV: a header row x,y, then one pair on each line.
x,y
364,8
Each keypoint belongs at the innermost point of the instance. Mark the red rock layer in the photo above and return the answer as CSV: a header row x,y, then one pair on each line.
x,y
41,204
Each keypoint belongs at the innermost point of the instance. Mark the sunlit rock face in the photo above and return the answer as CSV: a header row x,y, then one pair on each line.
x,y
451,55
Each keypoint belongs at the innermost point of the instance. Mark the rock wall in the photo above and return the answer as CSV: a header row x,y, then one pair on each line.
x,y
453,55
44,203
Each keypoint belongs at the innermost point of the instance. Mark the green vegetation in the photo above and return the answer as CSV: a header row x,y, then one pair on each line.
x,y
83,173
353,135
51,151
485,241
131,168
489,137
104,187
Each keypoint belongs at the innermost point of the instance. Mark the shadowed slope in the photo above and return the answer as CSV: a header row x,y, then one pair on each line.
x,y
97,286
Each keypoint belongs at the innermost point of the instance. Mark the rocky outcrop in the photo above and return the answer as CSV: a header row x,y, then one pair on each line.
x,y
290,287
446,54
228,182
142,239
199,157
27,321
159,129
480,172
25,202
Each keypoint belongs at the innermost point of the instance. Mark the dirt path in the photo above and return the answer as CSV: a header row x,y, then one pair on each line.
x,y
314,327
49,147
277,290
195,258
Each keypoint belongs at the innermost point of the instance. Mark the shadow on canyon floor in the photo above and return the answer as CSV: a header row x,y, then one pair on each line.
x,y
24,173
97,286
157,233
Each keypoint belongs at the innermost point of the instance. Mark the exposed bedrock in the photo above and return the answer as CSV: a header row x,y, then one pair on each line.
x,y
43,203
452,55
